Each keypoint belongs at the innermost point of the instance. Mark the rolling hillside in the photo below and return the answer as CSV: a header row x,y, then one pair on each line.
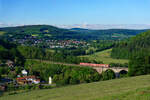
x,y
51,32
133,88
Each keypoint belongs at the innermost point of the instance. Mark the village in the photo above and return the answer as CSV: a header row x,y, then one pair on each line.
x,y
31,40
22,79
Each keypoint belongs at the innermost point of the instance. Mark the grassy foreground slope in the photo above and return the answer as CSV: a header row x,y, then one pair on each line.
x,y
134,88
105,57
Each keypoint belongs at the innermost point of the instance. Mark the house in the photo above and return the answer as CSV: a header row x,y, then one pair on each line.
x,y
9,63
27,80
24,72
94,65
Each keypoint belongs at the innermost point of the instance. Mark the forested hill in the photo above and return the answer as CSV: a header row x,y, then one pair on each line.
x,y
125,49
51,32
8,51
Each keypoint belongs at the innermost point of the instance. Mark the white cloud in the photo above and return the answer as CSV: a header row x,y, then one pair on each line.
x,y
5,25
9,25
107,26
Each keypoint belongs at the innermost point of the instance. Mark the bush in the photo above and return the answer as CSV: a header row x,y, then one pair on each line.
x,y
108,74
11,87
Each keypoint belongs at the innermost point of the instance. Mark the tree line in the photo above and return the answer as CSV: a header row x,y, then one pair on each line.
x,y
63,75
137,50
65,56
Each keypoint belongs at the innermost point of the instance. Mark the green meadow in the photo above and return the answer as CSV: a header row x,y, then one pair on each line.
x,y
105,57
132,88
2,33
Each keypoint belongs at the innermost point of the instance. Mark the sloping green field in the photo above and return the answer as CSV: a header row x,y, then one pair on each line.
x,y
2,33
105,57
135,88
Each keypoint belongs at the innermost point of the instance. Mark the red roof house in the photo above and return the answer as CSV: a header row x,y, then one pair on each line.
x,y
28,80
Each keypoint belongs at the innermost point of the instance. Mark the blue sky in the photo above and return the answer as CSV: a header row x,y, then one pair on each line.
x,y
75,11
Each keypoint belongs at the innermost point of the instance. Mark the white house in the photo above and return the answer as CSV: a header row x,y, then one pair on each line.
x,y
24,72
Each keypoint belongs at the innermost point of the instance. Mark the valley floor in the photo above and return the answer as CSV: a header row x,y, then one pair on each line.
x,y
133,88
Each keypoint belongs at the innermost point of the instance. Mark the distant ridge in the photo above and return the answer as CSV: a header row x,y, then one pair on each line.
x,y
79,29
62,33
89,26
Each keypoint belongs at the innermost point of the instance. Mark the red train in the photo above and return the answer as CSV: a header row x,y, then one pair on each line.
x,y
94,65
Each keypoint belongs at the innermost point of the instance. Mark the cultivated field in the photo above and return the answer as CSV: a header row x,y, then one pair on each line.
x,y
105,57
134,88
